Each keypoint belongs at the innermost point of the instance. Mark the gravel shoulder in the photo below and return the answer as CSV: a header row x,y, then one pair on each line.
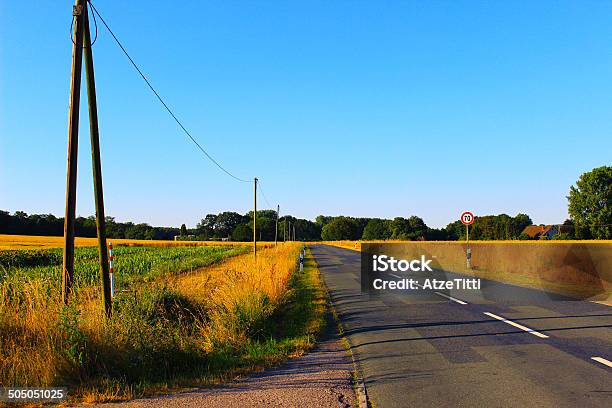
x,y
320,378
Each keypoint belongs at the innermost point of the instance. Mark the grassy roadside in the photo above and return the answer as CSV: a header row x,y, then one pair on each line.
x,y
183,330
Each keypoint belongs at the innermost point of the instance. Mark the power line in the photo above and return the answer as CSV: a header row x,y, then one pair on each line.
x,y
263,195
162,101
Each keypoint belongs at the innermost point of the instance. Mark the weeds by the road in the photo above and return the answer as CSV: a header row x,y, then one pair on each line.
x,y
180,330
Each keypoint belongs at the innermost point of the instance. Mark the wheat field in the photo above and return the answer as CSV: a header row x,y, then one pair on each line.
x,y
37,242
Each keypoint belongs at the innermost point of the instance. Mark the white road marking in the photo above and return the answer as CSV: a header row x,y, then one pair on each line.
x,y
461,302
520,326
602,361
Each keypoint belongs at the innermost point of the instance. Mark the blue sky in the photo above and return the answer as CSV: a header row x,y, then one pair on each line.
x,y
346,107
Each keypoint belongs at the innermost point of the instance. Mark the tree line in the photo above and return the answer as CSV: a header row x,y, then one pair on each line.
x,y
490,227
21,223
226,225
589,207
233,226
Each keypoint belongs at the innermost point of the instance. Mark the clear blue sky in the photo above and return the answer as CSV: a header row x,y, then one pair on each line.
x,y
341,107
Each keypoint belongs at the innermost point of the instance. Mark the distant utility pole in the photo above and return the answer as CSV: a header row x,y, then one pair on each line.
x,y
82,41
255,218
276,231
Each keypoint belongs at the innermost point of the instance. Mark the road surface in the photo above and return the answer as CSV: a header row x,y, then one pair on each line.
x,y
520,350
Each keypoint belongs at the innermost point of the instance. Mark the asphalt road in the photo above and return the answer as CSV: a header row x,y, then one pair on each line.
x,y
431,351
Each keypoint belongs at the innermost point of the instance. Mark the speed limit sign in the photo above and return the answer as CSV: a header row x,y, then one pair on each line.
x,y
467,218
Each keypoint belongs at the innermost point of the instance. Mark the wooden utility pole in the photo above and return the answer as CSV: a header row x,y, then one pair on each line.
x,y
255,218
96,165
276,231
73,147
82,41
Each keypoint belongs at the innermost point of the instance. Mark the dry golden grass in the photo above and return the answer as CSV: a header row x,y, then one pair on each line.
x,y
239,283
207,321
37,242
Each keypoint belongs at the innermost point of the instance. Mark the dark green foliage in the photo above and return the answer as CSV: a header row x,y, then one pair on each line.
x,y
491,227
74,339
242,233
590,204
341,228
377,229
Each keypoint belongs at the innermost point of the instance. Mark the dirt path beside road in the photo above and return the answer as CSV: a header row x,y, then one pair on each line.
x,y
320,378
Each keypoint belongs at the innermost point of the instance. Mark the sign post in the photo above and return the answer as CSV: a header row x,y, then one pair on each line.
x,y
467,218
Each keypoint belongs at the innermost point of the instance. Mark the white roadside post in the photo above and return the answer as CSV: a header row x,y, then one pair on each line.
x,y
302,261
467,218
110,269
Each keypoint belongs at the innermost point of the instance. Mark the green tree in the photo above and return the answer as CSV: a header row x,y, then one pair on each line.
x,y
376,229
323,220
590,202
340,228
418,228
226,222
518,224
242,233
183,230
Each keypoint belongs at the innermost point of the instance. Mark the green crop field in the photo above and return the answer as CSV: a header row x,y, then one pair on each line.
x,y
132,265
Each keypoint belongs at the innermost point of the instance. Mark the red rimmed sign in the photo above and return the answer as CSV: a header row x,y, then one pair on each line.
x,y
467,218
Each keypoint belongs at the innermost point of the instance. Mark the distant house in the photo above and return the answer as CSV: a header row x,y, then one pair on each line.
x,y
184,237
541,231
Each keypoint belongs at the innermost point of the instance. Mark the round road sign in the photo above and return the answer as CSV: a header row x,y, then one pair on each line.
x,y
467,218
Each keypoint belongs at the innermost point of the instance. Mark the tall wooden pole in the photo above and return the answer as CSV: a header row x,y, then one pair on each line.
x,y
97,166
255,218
73,147
276,230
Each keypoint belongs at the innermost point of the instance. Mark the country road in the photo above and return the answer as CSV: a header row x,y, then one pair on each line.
x,y
506,346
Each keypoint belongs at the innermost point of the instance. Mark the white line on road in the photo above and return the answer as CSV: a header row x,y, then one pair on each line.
x,y
602,361
461,302
520,326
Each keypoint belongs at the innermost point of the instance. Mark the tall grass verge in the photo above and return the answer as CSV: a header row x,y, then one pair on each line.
x,y
181,330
